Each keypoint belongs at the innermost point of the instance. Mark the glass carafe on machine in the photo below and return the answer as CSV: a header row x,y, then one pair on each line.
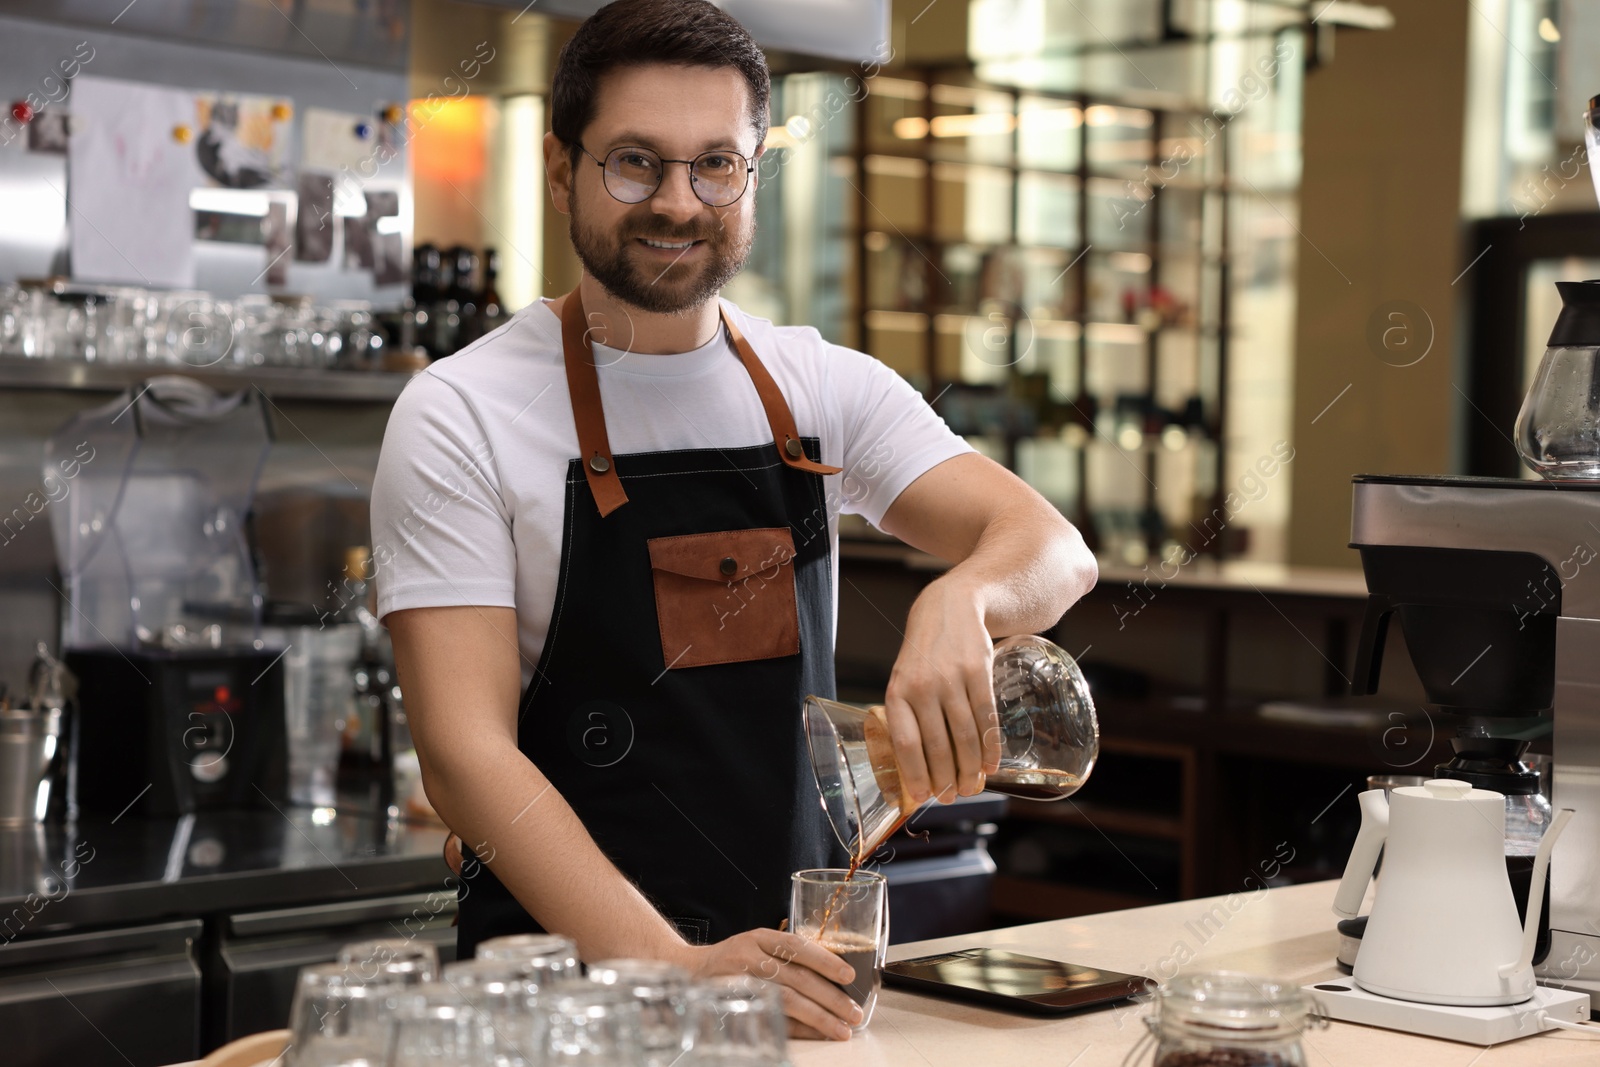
x,y
1558,428
1049,741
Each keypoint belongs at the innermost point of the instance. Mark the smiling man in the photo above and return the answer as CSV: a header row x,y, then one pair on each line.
x,y
614,574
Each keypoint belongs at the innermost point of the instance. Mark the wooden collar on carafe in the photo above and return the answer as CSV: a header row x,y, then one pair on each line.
x,y
583,383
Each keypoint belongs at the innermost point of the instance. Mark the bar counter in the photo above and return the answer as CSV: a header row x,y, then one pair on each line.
x,y
103,871
1285,933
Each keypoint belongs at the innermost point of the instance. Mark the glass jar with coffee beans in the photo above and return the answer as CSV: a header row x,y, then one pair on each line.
x,y
1227,1020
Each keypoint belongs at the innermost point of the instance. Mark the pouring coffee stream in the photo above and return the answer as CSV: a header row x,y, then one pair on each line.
x,y
1049,740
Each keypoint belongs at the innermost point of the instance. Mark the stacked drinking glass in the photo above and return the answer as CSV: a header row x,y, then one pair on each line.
x,y
526,1002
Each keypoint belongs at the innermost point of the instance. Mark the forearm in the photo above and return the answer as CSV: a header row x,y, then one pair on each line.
x,y
523,828
1027,568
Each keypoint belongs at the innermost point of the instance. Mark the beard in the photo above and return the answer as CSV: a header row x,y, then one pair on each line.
x,y
671,288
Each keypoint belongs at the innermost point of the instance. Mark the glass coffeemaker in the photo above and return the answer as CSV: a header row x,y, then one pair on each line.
x,y
1049,740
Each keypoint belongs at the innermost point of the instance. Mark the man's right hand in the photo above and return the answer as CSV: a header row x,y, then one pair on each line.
x,y
807,973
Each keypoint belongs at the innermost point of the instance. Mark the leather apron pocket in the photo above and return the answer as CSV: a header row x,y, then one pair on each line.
x,y
725,597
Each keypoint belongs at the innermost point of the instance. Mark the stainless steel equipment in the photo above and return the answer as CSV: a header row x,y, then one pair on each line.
x,y
23,763
180,702
1495,587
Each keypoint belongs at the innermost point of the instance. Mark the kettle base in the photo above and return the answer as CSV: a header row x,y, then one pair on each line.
x,y
1519,989
1341,999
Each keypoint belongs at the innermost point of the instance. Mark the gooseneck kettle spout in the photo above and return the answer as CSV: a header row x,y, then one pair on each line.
x,y
1541,870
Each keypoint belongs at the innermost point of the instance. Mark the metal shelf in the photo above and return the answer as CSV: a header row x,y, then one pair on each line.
x,y
287,383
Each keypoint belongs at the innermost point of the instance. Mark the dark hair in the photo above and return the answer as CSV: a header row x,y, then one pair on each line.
x,y
629,33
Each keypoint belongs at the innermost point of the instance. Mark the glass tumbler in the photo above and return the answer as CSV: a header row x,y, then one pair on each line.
x,y
404,960
545,958
847,914
506,999
590,1025
433,1023
339,1020
738,1021
662,993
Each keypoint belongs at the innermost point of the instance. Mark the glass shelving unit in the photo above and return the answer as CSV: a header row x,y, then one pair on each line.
x,y
1090,278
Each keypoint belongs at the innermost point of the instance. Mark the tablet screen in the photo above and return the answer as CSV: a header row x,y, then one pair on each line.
x,y
1010,974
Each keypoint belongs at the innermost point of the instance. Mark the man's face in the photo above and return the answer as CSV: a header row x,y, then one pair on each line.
x,y
677,112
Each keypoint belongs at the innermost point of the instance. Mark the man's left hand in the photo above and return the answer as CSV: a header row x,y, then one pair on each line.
x,y
940,700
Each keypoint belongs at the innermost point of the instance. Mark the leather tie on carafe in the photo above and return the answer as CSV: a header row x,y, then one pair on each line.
x,y
594,445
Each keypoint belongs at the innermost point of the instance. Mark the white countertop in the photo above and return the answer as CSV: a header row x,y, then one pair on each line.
x,y
1285,933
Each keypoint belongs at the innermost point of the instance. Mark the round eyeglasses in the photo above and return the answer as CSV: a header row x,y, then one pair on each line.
x,y
632,175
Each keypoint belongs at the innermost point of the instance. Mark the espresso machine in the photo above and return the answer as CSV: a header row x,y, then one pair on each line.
x,y
1496,586
180,703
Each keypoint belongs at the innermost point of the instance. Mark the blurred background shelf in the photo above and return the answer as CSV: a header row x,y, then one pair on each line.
x,y
275,382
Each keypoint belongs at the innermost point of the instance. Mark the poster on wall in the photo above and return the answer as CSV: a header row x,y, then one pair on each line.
x,y
314,222
333,141
244,142
48,132
128,180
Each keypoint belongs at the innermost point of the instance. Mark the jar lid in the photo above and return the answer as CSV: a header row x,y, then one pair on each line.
x,y
1232,1006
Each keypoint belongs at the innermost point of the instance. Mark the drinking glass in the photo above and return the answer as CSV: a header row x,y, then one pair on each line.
x,y
252,331
505,997
433,1023
590,1025
847,914
294,332
34,338
546,957
13,308
662,993
119,327
407,961
738,1021
339,1020
355,349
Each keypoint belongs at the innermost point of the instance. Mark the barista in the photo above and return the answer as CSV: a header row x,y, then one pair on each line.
x,y
606,536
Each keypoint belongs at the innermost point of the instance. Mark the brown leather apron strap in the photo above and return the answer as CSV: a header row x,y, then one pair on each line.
x,y
779,417
594,447
583,384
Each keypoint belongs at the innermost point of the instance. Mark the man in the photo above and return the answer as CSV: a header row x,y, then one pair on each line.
x,y
614,576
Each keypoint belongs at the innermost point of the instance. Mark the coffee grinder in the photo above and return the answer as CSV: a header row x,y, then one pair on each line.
x,y
180,703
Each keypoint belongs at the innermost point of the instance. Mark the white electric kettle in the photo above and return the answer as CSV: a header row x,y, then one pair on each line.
x,y
1443,927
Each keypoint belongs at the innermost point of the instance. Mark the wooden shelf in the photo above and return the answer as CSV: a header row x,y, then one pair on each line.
x,y
1106,819
1033,898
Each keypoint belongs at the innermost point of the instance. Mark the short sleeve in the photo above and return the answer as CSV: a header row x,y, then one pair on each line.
x,y
891,436
441,533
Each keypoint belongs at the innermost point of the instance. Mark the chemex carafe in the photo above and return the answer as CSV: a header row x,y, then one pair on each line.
x,y
1050,739
1444,927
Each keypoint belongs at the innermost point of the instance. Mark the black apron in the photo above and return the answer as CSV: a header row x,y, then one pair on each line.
x,y
687,630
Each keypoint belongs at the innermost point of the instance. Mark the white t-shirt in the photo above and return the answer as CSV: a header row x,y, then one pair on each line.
x,y
468,503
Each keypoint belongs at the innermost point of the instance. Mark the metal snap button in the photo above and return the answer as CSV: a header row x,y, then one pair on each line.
x,y
794,448
729,567
599,463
